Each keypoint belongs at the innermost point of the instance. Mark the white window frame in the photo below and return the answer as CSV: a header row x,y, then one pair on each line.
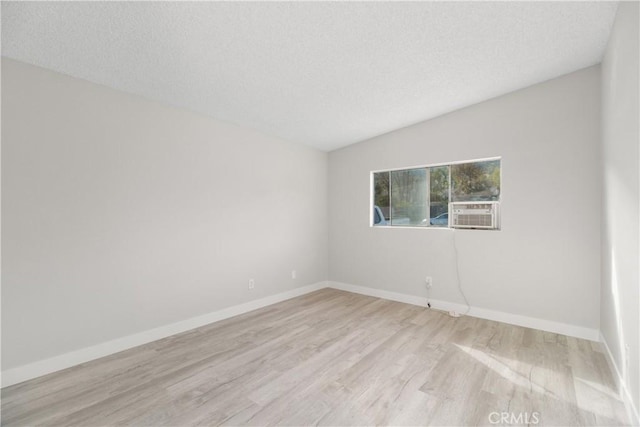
x,y
432,165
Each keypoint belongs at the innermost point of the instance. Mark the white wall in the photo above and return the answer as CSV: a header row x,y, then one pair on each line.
x,y
121,215
545,263
620,294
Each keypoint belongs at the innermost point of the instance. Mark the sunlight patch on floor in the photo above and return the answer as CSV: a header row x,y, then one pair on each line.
x,y
501,368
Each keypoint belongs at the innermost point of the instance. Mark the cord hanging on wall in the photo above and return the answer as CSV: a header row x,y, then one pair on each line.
x,y
455,253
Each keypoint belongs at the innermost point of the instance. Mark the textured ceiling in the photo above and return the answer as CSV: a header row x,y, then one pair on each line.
x,y
325,74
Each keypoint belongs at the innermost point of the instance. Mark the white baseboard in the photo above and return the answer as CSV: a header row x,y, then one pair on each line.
x,y
67,360
623,390
483,313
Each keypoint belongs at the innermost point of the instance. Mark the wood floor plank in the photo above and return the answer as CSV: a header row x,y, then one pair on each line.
x,y
332,358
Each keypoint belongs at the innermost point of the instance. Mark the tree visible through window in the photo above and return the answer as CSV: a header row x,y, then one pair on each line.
x,y
408,196
477,181
439,196
421,196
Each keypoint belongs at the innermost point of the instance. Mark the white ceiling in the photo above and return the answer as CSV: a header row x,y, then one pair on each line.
x,y
325,74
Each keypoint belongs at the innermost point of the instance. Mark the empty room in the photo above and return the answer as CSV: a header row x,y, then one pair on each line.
x,y
320,213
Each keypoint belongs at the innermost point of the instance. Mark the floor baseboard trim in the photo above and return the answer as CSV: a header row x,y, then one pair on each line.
x,y
483,313
67,360
621,385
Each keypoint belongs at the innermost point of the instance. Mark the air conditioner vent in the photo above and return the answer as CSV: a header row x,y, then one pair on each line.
x,y
483,215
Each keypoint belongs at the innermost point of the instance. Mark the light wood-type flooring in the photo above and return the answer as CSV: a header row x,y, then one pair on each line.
x,y
333,358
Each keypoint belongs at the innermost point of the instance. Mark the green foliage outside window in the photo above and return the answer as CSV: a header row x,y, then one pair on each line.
x,y
478,181
421,196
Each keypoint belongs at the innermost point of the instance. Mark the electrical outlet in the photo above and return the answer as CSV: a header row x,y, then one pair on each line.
x,y
293,274
252,284
429,282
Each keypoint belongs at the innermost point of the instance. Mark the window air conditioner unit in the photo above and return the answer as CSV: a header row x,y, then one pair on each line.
x,y
474,215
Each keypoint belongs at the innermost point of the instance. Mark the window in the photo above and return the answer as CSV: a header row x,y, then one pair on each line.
x,y
420,197
408,196
476,181
439,190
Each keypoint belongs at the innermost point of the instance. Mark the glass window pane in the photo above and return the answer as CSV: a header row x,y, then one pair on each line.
x,y
409,197
381,198
439,196
477,181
